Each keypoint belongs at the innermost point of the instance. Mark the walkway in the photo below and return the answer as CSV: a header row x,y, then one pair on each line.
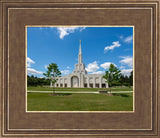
x,y
79,92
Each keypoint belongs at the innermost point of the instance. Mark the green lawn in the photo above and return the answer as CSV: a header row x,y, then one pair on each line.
x,y
39,88
79,101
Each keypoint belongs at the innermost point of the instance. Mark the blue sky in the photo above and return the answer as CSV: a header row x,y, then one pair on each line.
x,y
100,47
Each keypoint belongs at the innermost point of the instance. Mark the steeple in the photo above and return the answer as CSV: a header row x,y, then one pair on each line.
x,y
80,66
80,53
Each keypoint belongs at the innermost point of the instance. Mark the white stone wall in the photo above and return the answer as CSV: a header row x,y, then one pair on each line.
x,y
87,80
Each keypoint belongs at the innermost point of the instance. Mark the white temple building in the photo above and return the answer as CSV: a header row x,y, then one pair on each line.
x,y
80,79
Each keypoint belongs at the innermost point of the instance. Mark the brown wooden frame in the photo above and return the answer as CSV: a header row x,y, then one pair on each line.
x,y
143,15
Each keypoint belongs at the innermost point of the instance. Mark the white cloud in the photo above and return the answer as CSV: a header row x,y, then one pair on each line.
x,y
128,39
68,67
82,28
106,65
29,62
127,60
65,72
45,66
63,31
121,37
33,71
111,47
98,72
126,71
92,67
122,67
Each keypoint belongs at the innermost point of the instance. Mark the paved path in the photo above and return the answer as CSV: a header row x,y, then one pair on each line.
x,y
79,92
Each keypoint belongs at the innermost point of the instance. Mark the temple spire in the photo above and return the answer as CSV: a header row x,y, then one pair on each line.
x,y
80,53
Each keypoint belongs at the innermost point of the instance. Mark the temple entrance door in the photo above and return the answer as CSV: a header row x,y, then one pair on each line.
x,y
74,81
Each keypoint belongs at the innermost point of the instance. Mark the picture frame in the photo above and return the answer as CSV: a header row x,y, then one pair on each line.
x,y
143,15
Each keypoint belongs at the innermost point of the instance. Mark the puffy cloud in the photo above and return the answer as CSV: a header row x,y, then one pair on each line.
x,y
111,47
33,71
65,72
126,71
92,67
82,28
63,31
128,39
68,67
106,65
98,72
122,67
121,37
45,66
127,60
29,62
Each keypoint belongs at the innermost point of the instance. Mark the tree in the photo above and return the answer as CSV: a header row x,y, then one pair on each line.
x,y
122,79
112,75
35,81
126,80
131,78
52,74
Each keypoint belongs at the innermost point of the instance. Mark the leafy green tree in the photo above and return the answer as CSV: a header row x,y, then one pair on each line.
x,y
122,79
52,74
126,80
112,75
131,78
35,81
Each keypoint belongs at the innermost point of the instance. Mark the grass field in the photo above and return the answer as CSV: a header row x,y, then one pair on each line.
x,y
77,89
79,102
